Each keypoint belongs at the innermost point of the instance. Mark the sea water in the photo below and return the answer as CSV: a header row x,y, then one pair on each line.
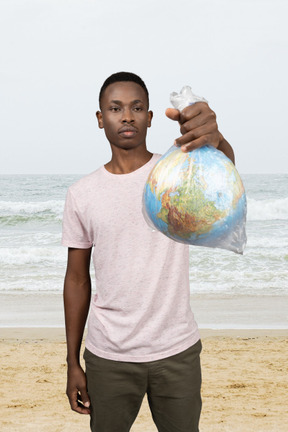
x,y
263,268
32,260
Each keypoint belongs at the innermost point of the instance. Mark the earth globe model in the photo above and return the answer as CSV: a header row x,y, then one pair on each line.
x,y
197,198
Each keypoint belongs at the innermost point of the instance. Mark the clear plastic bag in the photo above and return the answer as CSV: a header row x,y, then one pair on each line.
x,y
198,197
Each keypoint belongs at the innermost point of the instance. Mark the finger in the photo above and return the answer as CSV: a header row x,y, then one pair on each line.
x,y
172,114
204,118
191,135
84,398
200,142
190,132
80,409
194,110
77,405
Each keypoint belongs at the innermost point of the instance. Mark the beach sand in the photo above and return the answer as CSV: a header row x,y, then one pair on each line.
x,y
245,382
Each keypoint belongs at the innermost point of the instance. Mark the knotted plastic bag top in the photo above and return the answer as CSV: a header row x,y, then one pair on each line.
x,y
197,197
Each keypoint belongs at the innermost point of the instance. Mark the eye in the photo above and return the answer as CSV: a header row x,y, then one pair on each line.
x,y
138,108
114,109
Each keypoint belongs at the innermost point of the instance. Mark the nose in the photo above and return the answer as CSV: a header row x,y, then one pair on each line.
x,y
127,116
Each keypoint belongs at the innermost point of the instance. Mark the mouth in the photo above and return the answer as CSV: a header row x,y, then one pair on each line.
x,y
128,132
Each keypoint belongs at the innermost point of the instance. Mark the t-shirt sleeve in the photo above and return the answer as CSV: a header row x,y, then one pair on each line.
x,y
74,233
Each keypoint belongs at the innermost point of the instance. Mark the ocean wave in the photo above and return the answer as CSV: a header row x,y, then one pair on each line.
x,y
269,209
31,238
247,282
42,256
15,213
37,284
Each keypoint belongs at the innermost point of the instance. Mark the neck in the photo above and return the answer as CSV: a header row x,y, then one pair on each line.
x,y
126,161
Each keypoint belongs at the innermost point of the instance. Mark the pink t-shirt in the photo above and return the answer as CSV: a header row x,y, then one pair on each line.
x,y
141,310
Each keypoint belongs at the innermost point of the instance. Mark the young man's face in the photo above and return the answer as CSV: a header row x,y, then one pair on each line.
x,y
124,115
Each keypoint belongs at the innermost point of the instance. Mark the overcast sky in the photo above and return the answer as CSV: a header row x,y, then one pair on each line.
x,y
55,55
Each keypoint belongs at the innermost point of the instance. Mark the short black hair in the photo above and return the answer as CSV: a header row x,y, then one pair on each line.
x,y
123,76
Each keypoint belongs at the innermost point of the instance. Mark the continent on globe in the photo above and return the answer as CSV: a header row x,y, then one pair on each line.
x,y
197,198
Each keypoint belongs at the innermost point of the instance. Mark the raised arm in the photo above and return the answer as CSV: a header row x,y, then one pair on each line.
x,y
226,148
77,294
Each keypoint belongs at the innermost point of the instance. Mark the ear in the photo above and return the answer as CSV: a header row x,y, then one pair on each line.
x,y
100,119
150,116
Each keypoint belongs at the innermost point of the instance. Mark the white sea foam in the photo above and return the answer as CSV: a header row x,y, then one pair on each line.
x,y
27,255
267,209
21,212
32,238
31,207
33,283
270,209
272,244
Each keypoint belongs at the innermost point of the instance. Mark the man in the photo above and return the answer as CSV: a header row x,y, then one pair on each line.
x,y
142,336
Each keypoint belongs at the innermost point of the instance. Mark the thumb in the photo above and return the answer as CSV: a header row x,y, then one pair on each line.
x,y
173,114
85,398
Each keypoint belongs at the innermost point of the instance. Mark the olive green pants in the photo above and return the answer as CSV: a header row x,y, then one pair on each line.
x,y
116,391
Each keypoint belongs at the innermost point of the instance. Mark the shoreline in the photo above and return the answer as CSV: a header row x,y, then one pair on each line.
x,y
57,334
212,311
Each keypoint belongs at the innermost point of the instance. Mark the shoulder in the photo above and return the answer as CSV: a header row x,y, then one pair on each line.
x,y
86,183
155,158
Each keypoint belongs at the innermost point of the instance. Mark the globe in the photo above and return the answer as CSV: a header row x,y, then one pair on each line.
x,y
197,198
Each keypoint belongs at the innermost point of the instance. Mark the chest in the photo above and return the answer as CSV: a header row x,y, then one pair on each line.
x,y
114,210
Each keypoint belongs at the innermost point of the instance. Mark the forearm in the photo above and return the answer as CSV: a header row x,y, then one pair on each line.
x,y
77,297
226,148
